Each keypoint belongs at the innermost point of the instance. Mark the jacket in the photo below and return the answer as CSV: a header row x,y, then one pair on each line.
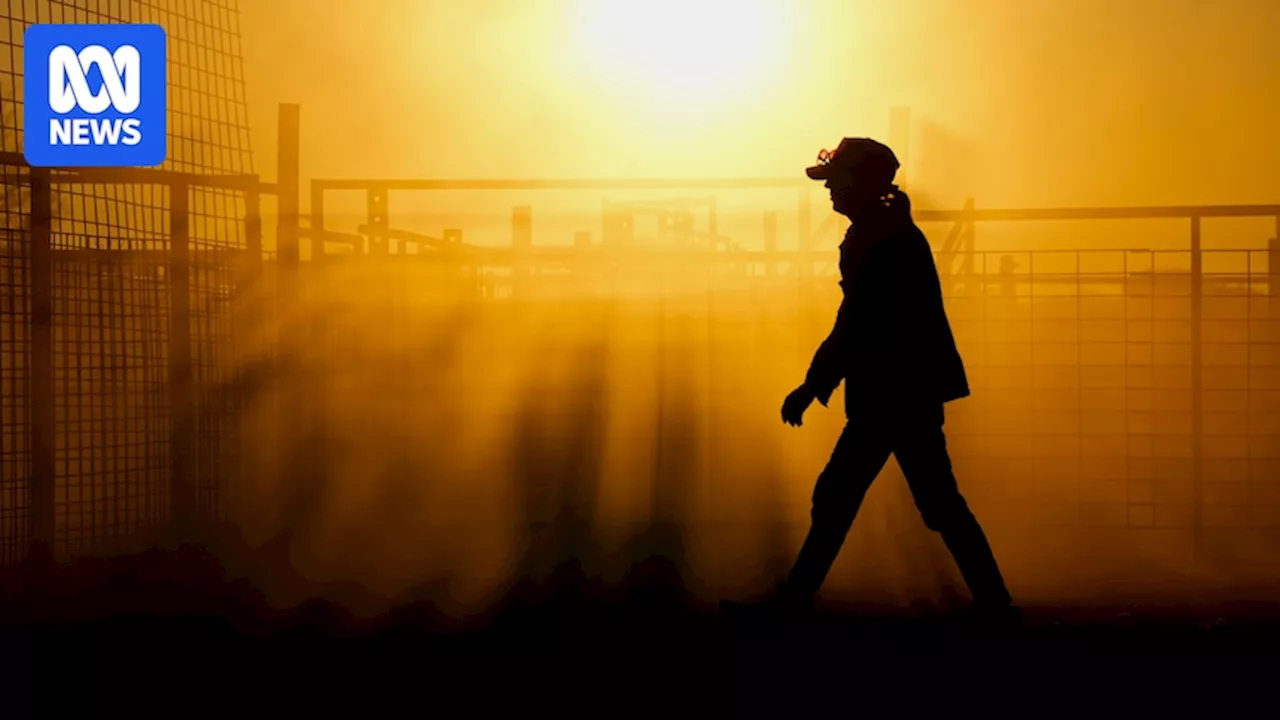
x,y
892,343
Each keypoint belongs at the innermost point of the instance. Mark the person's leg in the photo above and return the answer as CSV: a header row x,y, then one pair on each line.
x,y
921,449
859,455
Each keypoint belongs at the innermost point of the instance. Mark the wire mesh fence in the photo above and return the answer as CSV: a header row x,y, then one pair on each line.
x,y
1085,368
110,297
1131,389
1113,389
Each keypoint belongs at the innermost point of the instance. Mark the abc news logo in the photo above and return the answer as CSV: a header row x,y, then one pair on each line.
x,y
95,95
69,90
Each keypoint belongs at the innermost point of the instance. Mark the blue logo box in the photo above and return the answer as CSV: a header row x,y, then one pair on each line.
x,y
95,95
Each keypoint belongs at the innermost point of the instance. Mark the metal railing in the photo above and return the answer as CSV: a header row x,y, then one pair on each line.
x,y
524,257
53,414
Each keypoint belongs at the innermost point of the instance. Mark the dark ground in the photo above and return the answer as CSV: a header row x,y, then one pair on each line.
x,y
164,634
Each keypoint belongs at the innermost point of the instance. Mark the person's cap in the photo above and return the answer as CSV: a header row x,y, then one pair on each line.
x,y
861,156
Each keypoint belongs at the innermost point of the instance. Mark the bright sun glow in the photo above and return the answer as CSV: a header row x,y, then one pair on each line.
x,y
689,51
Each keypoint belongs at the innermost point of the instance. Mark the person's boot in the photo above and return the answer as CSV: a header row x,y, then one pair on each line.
x,y
992,614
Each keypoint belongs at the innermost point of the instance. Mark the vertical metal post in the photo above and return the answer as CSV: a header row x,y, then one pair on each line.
x,y
250,309
376,213
1197,390
967,243
1273,263
287,164
317,223
181,399
253,237
40,393
292,409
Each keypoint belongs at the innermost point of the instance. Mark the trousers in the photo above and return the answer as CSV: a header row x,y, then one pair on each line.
x,y
916,438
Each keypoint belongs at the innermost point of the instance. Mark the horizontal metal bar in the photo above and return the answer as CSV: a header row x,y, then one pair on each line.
x,y
1087,213
199,256
142,176
1099,213
561,184
333,236
145,176
407,236
749,255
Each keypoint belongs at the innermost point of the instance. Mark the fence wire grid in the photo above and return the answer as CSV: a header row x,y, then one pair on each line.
x,y
111,308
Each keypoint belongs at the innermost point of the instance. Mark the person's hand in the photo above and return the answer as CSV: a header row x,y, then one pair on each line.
x,y
794,406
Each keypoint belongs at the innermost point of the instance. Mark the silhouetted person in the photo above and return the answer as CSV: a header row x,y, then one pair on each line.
x,y
1008,283
893,348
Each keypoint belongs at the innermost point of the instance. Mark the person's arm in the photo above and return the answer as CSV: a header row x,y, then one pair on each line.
x,y
828,366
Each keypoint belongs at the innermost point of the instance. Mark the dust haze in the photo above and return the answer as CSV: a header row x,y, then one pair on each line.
x,y
444,435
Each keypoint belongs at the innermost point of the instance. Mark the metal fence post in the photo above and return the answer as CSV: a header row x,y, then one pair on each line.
x,y
252,306
40,394
252,270
378,222
1273,262
317,224
181,398
967,242
288,305
287,159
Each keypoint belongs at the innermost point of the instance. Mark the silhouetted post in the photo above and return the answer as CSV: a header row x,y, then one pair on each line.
x,y
40,393
462,271
252,236
318,254
287,161
963,265
771,244
250,309
376,206
288,151
522,249
251,289
181,398
1008,282
1273,264
1197,388
900,140
289,334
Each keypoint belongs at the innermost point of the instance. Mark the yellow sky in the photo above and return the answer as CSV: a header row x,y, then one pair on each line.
x,y
1015,103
